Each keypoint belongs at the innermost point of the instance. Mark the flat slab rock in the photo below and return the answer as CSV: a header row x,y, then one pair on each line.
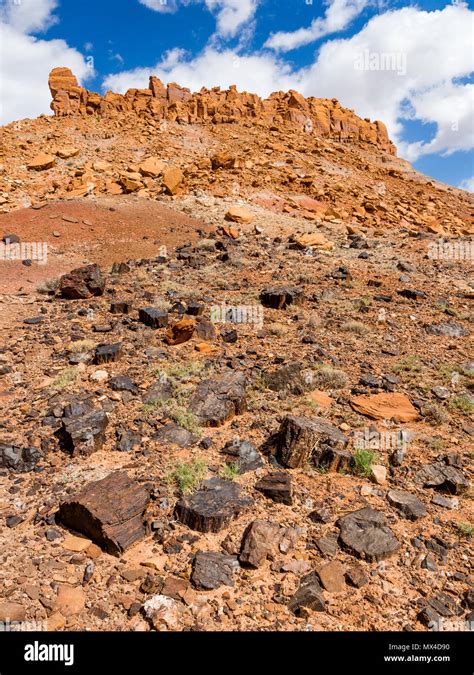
x,y
444,477
175,435
82,283
365,534
447,329
108,511
218,399
212,507
302,438
406,503
390,406
212,570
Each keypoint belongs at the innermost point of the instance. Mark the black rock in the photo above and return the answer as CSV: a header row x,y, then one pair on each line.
x,y
34,320
13,521
81,283
308,596
173,434
51,534
280,297
119,308
229,335
289,377
218,399
11,239
302,438
277,486
212,507
161,390
411,294
443,477
83,434
195,309
123,383
244,454
107,353
356,576
322,514
127,440
447,329
407,503
153,317
364,533
21,460
212,570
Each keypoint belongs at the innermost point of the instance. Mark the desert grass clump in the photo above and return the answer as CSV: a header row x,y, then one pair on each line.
x,y
327,377
187,476
409,364
65,378
363,461
463,404
464,529
356,327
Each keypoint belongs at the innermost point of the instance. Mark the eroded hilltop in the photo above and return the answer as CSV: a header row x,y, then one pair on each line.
x,y
325,117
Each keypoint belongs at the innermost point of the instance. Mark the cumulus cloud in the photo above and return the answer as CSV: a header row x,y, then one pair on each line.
x,y
232,14
416,64
212,67
467,184
338,15
26,61
28,16
403,65
163,6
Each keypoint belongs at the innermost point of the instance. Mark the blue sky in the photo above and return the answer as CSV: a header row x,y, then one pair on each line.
x,y
416,73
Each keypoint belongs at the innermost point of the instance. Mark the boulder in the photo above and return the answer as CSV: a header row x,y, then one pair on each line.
x,y
212,507
212,570
220,398
82,283
108,511
365,534
386,406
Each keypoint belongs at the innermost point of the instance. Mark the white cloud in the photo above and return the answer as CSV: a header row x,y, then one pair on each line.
x,y
422,42
25,61
28,16
163,6
337,17
213,67
422,85
232,14
467,184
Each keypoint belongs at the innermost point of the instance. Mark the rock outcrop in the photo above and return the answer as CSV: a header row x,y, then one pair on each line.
x,y
322,117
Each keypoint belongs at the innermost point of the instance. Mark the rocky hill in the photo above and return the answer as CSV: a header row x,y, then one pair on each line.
x,y
236,369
